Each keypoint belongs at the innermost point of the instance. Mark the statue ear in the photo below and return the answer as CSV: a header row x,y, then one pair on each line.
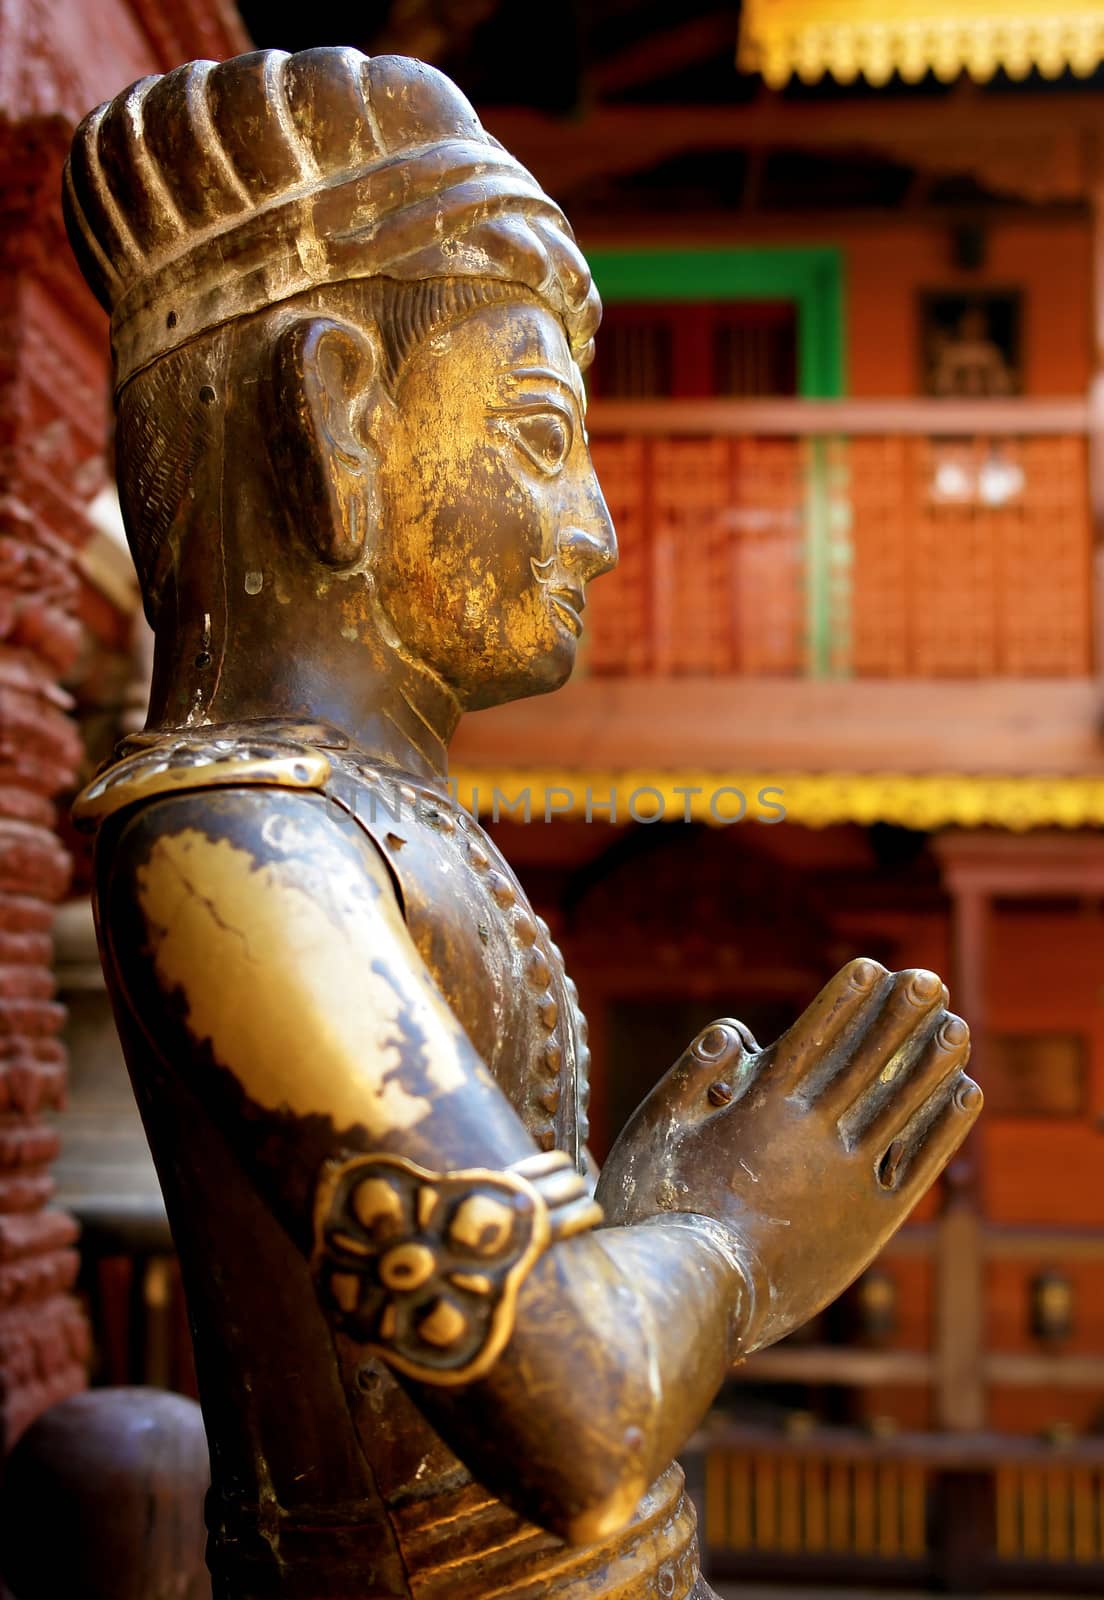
x,y
329,405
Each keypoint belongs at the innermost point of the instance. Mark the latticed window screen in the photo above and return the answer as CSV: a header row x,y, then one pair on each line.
x,y
949,584
1050,1514
794,1505
618,635
637,357
710,582
683,350
804,1504
1046,605
944,558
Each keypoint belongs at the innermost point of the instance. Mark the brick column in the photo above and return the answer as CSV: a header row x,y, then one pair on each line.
x,y
58,58
52,439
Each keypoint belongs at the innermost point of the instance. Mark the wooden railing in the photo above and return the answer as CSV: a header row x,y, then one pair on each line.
x,y
967,1511
962,1505
836,538
958,1246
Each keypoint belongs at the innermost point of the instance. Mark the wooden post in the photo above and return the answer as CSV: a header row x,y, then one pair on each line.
x,y
959,1312
1096,381
959,1296
969,948
1096,416
965,1529
965,1524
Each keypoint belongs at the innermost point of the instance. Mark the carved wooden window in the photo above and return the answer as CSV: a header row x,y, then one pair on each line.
x,y
673,350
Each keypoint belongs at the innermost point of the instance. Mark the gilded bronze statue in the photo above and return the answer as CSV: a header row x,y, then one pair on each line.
x,y
348,332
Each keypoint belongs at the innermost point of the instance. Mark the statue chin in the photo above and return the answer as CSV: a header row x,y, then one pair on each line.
x,y
543,675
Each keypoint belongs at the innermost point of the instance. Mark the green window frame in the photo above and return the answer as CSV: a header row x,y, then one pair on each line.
x,y
811,276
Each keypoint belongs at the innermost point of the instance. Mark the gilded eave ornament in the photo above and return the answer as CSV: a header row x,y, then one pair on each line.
x,y
849,39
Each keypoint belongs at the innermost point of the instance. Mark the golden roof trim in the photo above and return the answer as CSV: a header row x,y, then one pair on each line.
x,y
848,39
923,801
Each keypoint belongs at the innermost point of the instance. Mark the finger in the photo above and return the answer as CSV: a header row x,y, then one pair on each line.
x,y
719,1055
807,1053
918,1154
880,1112
901,1027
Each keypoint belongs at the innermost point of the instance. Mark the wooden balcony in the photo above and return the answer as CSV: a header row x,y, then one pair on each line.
x,y
906,539
831,586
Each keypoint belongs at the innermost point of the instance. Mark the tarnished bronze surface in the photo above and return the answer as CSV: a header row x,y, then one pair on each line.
x,y
348,331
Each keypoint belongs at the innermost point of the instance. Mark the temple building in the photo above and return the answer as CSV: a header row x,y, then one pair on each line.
x,y
843,695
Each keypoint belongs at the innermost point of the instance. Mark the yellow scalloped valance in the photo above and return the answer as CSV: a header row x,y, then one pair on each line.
x,y
861,38
924,801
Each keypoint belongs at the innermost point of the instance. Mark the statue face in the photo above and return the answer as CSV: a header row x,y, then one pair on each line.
x,y
493,520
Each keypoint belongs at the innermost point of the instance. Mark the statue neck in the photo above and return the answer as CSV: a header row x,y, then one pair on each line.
x,y
230,651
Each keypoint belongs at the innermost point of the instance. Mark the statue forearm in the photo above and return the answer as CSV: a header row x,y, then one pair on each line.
x,y
480,1287
622,1339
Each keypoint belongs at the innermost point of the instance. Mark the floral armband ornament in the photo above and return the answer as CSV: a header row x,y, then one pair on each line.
x,y
424,1268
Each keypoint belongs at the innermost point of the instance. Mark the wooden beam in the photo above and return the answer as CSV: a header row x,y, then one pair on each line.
x,y
660,54
1031,145
1046,865
807,418
1007,726
1096,390
1063,1370
851,1368
1011,1243
950,1452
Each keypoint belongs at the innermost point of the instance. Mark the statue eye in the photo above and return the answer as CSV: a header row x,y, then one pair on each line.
x,y
545,437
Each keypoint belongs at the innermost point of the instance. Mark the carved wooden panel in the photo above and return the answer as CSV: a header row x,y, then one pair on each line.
x,y
1045,595
972,557
881,568
618,629
766,527
690,494
883,556
711,537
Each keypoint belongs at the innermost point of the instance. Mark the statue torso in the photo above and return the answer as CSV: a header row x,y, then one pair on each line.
x,y
311,1455
492,959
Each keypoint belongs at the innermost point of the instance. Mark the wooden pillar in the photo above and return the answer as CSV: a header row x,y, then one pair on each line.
x,y
965,1529
959,1287
1096,415
970,916
959,1315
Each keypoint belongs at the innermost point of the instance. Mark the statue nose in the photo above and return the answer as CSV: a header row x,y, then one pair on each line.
x,y
587,554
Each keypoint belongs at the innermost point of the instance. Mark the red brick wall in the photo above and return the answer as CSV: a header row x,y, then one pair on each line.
x,y
58,58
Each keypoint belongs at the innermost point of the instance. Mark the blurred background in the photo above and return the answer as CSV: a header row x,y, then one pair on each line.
x,y
848,412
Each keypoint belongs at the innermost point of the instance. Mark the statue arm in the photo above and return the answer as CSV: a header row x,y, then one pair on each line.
x,y
257,939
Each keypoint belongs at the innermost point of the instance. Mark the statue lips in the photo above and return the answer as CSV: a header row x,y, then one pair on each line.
x,y
568,605
568,602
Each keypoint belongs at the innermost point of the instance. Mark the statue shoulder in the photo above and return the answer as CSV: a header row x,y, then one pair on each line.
x,y
150,767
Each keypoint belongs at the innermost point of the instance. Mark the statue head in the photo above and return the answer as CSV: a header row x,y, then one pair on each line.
x,y
348,332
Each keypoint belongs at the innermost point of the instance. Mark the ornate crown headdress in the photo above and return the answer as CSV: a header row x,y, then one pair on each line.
x,y
220,189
